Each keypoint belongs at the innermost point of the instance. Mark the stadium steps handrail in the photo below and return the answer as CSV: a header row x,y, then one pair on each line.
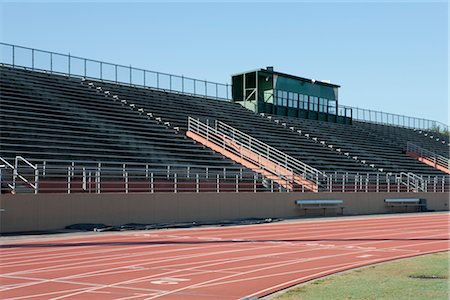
x,y
429,157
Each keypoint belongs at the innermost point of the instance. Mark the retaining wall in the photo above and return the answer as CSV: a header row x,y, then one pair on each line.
x,y
29,212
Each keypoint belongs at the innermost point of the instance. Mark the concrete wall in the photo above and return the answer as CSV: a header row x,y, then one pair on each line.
x,y
29,212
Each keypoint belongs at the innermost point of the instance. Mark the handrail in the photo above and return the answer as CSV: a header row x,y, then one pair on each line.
x,y
75,66
436,158
7,163
264,150
412,180
211,134
286,168
18,175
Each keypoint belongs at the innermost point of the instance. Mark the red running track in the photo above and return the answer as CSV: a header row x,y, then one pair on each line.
x,y
210,263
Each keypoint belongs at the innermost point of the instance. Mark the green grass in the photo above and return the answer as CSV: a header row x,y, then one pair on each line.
x,y
390,280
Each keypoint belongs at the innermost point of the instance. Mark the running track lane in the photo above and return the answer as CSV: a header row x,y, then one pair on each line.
x,y
210,263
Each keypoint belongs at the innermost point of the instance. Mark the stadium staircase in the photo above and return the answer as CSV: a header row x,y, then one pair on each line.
x,y
430,158
275,165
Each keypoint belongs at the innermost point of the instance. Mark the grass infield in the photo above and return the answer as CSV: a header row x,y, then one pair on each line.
x,y
422,277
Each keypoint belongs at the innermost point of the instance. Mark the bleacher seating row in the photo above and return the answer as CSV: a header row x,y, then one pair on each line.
x,y
47,116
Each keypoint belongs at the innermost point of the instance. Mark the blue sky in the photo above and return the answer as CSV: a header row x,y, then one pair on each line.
x,y
389,56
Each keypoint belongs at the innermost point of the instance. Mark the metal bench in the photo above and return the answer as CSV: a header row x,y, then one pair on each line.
x,y
420,204
321,204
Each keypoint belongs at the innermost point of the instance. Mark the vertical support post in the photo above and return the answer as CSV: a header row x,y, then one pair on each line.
x,y
101,71
84,180
13,55
152,183
170,82
144,79
237,183
175,183
157,80
130,76
182,84
68,180
115,68
99,187
51,62
197,184
254,183
32,59
227,87
217,183
69,65
194,86
36,179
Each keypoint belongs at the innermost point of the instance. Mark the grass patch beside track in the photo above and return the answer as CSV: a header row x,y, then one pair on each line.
x,y
422,277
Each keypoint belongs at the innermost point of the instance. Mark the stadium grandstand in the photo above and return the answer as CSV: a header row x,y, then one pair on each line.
x,y
76,127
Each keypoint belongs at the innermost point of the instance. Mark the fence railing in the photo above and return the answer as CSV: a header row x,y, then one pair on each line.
x,y
59,176
69,65
379,117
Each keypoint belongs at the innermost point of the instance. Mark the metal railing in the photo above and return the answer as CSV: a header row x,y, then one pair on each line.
x,y
270,153
109,177
74,66
413,182
429,155
61,176
23,175
282,176
384,118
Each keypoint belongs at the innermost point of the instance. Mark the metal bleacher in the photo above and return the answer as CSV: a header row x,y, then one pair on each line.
x,y
379,145
176,108
54,117
47,117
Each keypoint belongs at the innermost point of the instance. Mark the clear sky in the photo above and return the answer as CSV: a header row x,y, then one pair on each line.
x,y
389,56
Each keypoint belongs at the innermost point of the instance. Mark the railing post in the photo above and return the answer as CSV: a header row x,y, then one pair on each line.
x,y
85,71
99,167
197,184
237,183
68,180
254,183
101,71
13,55
32,59
115,69
131,79
182,84
36,180
69,64
51,62
152,183
175,183
217,183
